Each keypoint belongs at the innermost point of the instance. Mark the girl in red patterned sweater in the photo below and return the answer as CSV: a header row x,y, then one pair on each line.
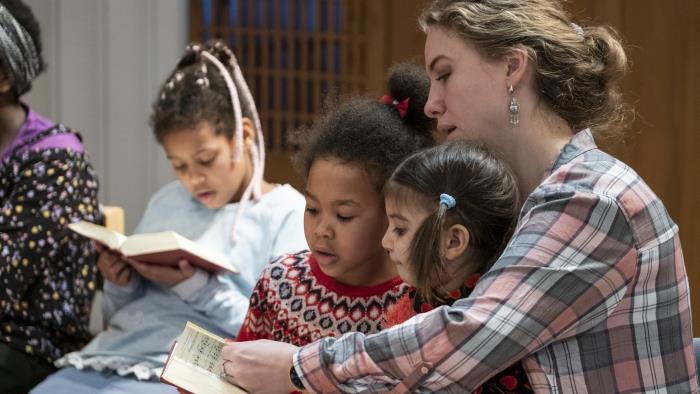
x,y
346,281
451,209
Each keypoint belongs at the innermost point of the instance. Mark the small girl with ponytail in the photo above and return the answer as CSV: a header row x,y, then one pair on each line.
x,y
206,121
451,209
345,281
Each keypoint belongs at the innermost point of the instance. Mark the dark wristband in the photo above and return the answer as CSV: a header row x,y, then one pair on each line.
x,y
296,380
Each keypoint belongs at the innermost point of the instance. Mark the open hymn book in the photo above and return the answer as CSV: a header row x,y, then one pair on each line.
x,y
166,247
194,363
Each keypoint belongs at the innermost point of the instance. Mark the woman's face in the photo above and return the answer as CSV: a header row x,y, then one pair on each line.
x,y
203,162
468,92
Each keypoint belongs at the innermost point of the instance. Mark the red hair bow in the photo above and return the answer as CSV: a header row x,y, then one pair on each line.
x,y
401,106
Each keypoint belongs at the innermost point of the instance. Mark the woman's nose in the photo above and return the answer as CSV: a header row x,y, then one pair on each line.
x,y
434,107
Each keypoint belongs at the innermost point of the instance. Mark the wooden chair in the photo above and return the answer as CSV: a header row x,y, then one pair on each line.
x,y
114,220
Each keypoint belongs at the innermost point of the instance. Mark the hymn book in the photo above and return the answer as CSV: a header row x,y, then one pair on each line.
x,y
167,247
194,363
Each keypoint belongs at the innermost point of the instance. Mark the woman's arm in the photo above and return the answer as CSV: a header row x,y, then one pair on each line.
x,y
565,270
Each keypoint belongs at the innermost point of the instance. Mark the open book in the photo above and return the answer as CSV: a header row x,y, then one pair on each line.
x,y
166,247
194,363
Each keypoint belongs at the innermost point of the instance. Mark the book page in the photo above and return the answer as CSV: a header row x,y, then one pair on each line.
x,y
168,247
195,363
109,238
200,348
196,381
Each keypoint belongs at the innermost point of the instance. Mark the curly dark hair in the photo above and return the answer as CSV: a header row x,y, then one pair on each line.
x,y
487,203
196,92
368,132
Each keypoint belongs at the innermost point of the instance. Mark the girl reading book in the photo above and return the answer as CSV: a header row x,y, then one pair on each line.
x,y
345,281
451,211
206,121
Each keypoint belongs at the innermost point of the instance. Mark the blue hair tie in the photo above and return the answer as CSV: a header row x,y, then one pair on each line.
x,y
448,201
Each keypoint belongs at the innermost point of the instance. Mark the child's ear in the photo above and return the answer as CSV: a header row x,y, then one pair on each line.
x,y
248,132
456,242
249,135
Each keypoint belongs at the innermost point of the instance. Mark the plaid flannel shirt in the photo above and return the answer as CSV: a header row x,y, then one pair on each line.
x,y
591,294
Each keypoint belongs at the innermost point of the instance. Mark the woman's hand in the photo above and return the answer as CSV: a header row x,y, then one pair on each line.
x,y
259,366
164,275
113,268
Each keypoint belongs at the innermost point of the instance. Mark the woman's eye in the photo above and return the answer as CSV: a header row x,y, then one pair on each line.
x,y
443,77
345,218
179,168
311,211
399,231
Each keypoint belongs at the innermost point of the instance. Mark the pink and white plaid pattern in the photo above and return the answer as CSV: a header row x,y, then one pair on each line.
x,y
591,293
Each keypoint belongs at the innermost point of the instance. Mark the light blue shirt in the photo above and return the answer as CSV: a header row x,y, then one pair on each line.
x,y
144,317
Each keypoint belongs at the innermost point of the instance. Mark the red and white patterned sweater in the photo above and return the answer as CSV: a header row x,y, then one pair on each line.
x,y
295,302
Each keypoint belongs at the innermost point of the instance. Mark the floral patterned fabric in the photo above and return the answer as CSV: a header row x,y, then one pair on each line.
x,y
511,380
48,274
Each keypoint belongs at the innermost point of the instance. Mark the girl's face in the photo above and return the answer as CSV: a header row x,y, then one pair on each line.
x,y
202,161
468,92
344,222
405,217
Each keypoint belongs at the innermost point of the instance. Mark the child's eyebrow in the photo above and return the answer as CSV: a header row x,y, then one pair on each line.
x,y
308,194
397,216
346,202
205,149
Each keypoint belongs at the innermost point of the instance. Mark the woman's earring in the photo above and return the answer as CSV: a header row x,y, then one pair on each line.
x,y
513,108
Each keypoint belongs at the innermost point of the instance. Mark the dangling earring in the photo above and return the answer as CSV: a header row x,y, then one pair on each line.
x,y
513,108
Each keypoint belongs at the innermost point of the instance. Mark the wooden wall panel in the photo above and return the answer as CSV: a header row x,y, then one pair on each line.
x,y
662,40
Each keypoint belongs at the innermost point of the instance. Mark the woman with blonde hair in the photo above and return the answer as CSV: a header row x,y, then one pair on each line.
x,y
591,293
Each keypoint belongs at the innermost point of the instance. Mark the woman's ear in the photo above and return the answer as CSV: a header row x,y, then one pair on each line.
x,y
455,242
516,62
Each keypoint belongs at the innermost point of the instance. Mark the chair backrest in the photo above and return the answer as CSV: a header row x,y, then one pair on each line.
x,y
114,217
114,220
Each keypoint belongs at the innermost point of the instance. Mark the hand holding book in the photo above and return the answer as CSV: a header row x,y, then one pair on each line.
x,y
166,248
112,267
194,363
119,270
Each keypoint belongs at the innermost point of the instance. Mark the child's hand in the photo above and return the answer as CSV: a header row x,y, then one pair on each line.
x,y
260,366
113,268
164,275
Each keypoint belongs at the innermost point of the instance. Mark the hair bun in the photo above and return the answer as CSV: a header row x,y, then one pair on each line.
x,y
408,80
